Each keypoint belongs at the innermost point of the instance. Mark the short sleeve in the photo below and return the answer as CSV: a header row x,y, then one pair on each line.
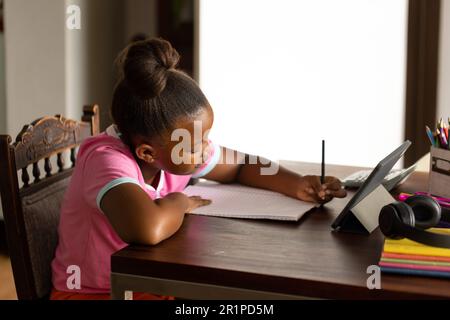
x,y
104,169
211,161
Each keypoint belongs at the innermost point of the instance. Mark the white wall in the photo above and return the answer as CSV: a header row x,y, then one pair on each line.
x,y
90,54
443,109
76,55
107,26
51,69
283,74
35,65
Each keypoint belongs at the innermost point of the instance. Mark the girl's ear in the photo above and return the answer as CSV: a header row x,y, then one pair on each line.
x,y
146,153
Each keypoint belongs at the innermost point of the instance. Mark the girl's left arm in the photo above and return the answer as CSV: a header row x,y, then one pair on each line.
x,y
236,167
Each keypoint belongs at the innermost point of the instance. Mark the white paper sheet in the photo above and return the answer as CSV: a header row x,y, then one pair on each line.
x,y
237,201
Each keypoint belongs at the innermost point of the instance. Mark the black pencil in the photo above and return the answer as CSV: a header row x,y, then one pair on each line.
x,y
322,175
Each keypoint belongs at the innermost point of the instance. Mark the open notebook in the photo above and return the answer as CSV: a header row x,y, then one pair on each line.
x,y
237,201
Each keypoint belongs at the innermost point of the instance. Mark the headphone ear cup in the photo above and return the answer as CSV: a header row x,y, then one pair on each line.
x,y
406,213
392,215
426,210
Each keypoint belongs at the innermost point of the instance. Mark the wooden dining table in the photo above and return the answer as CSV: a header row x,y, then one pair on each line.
x,y
225,258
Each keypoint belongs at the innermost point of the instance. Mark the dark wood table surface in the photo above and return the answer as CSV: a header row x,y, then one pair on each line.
x,y
303,258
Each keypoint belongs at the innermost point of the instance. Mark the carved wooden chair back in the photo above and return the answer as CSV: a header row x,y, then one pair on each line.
x,y
31,208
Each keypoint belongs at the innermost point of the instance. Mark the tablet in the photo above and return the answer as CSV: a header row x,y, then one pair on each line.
x,y
372,182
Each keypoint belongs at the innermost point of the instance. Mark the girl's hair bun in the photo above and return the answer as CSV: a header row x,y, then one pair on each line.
x,y
146,65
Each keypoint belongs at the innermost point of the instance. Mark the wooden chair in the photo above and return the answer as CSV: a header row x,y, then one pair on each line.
x,y
31,209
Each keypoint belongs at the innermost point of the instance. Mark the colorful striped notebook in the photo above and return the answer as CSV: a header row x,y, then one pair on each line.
x,y
411,258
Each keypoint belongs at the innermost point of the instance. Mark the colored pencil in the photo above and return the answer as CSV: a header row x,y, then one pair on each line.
x,y
430,136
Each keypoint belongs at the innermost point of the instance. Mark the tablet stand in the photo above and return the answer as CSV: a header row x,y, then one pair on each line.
x,y
363,217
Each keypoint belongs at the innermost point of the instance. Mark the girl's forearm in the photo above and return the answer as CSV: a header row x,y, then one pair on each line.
x,y
173,202
170,216
283,180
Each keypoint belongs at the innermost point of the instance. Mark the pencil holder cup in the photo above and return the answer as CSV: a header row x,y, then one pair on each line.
x,y
439,181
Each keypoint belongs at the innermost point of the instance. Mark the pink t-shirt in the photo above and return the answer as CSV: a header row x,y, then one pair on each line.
x,y
86,238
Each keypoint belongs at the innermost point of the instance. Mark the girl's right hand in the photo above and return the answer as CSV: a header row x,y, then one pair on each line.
x,y
195,202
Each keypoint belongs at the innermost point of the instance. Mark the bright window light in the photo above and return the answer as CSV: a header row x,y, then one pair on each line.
x,y
282,75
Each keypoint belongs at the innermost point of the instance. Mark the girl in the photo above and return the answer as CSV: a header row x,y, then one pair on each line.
x,y
128,182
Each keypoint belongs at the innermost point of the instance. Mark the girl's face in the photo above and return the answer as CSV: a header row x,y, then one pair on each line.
x,y
182,151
